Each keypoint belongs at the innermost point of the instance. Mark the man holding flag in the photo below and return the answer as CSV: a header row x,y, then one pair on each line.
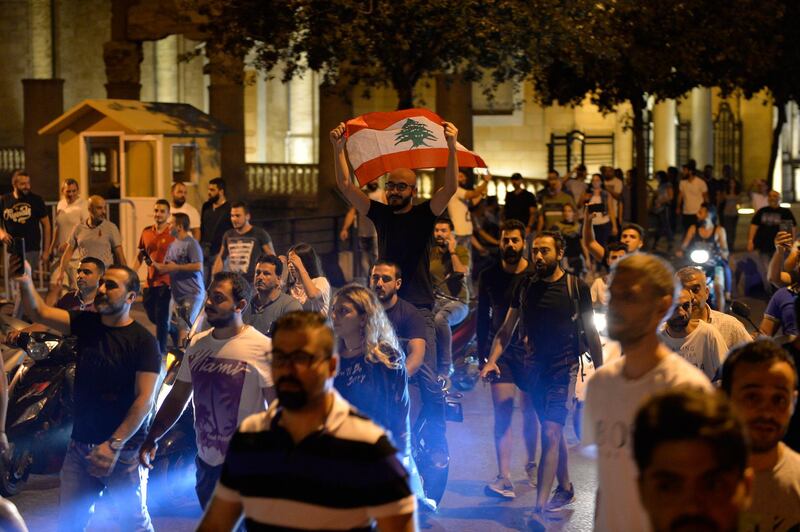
x,y
378,143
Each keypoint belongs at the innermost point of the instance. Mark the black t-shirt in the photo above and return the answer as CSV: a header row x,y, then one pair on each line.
x,y
380,392
406,320
546,315
105,375
496,292
572,238
792,437
518,206
768,220
243,250
213,224
21,218
405,239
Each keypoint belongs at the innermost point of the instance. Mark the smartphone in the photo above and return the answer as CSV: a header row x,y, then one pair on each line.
x,y
145,256
594,207
786,226
17,256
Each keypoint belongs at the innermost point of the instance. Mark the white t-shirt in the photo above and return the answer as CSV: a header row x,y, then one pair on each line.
x,y
228,378
68,216
190,211
612,401
458,210
759,200
693,191
731,329
614,185
776,497
320,305
703,348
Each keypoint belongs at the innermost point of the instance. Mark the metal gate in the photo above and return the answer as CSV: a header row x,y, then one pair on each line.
x,y
727,140
566,151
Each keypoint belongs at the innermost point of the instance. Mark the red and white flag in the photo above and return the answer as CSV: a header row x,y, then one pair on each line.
x,y
378,143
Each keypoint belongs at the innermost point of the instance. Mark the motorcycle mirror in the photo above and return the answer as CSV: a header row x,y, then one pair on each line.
x,y
740,309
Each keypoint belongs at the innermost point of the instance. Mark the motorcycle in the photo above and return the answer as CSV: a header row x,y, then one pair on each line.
x,y
40,409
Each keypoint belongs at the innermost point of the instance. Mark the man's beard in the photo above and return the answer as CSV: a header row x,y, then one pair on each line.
x,y
22,192
178,202
678,323
383,295
219,321
512,256
545,269
104,306
404,202
291,399
214,198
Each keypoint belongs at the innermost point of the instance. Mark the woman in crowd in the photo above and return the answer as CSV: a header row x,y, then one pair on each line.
x,y
708,233
570,229
597,195
372,369
306,282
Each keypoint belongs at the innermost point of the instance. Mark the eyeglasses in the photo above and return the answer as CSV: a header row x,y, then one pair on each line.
x,y
300,359
400,187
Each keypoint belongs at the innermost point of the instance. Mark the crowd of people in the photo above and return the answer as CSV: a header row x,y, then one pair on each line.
x,y
300,393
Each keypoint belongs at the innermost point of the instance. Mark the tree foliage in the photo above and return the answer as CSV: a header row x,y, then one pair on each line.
x,y
377,42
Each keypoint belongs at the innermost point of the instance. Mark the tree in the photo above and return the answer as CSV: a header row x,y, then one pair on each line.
x,y
624,51
377,42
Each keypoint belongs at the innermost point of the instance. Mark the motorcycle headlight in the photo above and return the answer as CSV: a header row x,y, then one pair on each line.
x,y
40,350
31,412
699,256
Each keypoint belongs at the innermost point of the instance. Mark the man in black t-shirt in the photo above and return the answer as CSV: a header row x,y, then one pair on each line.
x,y
215,219
520,204
118,363
498,284
545,309
242,245
26,216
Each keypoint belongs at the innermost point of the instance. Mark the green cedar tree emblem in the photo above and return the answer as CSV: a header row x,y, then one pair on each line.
x,y
414,131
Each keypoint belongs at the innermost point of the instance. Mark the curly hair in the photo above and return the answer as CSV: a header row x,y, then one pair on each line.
x,y
380,341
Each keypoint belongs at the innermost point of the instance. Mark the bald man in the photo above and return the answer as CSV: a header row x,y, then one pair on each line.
x,y
96,237
404,238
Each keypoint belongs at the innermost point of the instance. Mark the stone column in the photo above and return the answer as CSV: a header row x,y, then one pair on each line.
x,y
454,104
41,38
166,57
43,103
334,106
664,142
702,149
261,118
226,104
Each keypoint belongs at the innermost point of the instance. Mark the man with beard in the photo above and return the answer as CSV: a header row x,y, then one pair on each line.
x,y
731,329
761,380
26,216
242,245
153,245
554,310
270,301
691,453
310,423
498,283
215,220
88,273
179,205
118,363
367,237
696,341
449,266
96,237
641,294
404,237
226,374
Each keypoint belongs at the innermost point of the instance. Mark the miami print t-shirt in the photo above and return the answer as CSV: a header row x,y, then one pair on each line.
x,y
228,378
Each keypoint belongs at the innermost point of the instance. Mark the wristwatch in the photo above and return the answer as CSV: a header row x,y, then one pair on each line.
x,y
116,444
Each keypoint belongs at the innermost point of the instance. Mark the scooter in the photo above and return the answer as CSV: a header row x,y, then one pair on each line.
x,y
40,409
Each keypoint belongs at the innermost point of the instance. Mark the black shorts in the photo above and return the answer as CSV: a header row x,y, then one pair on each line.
x,y
551,388
515,367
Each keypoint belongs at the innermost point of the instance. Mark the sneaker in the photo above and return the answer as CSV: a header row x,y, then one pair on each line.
x,y
531,472
537,523
561,498
501,487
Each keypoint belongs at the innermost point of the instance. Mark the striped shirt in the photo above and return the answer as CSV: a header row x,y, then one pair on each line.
x,y
342,477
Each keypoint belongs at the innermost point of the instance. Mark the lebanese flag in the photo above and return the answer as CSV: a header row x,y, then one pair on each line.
x,y
378,143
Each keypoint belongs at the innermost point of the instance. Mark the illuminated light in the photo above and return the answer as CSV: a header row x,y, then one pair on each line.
x,y
786,205
699,256
599,321
746,210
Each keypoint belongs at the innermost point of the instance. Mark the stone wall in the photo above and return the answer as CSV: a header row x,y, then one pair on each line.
x,y
83,27
14,66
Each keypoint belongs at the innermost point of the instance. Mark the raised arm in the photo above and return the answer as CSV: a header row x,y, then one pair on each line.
x,y
775,272
37,309
349,219
596,251
354,195
442,196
